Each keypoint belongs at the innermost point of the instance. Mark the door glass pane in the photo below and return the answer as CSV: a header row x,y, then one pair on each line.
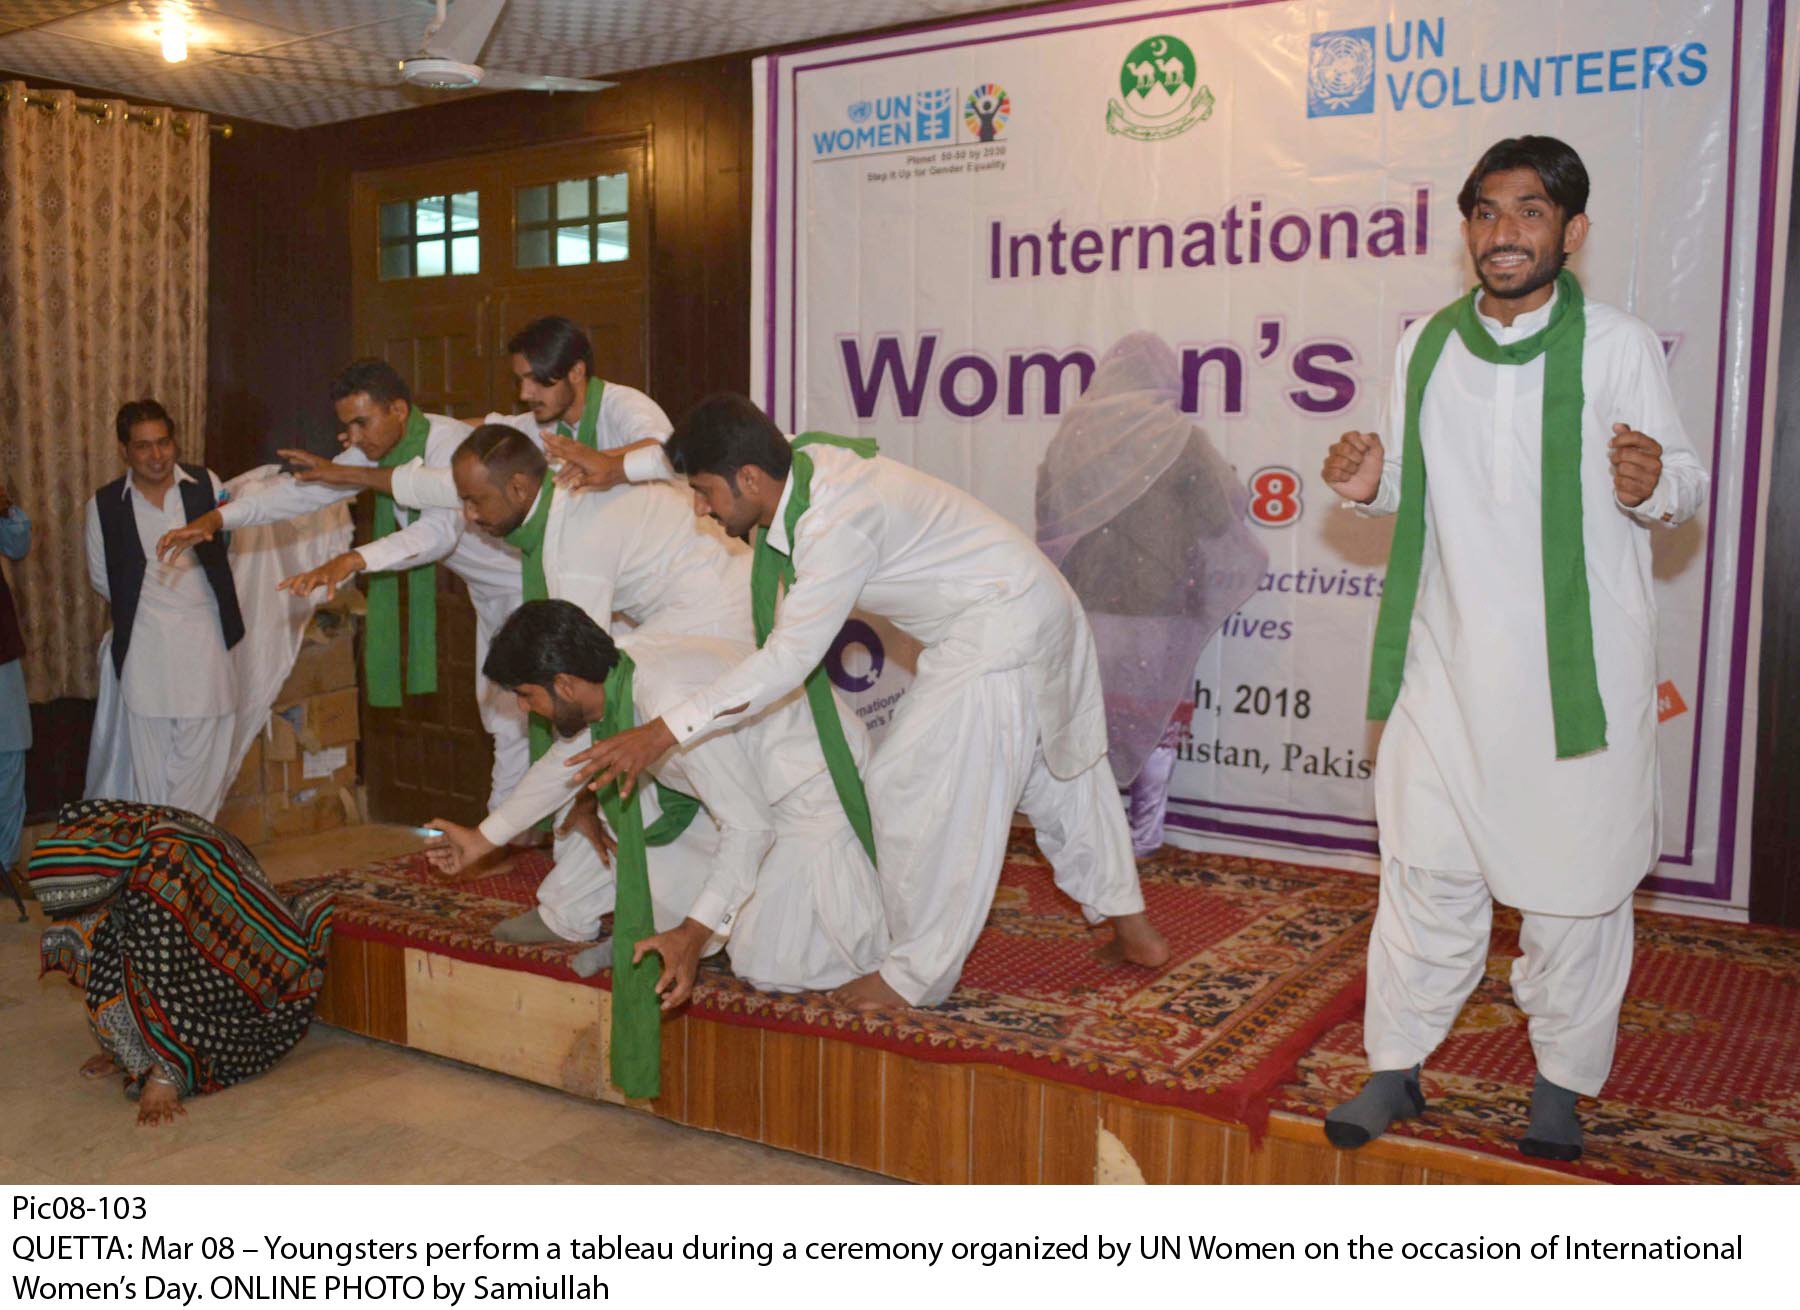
x,y
428,215
532,204
572,246
611,243
394,218
465,255
614,189
396,261
572,198
465,211
534,248
431,259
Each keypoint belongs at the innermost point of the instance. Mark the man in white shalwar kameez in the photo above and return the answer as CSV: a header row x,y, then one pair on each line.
x,y
770,864
1004,713
375,407
1519,762
174,622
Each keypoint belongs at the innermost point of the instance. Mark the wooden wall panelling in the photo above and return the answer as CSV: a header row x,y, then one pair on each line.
x,y
850,1096
1006,1127
925,1121
792,1069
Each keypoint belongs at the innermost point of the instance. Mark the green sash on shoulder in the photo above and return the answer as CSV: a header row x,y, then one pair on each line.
x,y
588,434
636,1057
381,631
528,540
769,571
1579,714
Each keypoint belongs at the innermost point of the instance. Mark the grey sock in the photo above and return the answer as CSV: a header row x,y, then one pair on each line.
x,y
525,929
595,958
1555,1132
1389,1094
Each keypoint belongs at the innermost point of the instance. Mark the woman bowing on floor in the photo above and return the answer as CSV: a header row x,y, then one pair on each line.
x,y
198,974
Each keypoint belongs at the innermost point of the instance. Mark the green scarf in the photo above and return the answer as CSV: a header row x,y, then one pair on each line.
x,y
769,570
589,432
528,540
636,1056
381,630
1579,715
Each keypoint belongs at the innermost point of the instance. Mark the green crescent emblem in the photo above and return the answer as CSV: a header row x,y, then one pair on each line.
x,y
1159,91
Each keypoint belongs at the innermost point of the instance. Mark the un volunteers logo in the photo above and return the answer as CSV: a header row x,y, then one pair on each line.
x,y
1160,96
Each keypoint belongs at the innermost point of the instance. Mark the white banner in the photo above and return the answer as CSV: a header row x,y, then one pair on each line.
x,y
954,225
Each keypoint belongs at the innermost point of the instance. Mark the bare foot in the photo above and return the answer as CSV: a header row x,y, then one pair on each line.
x,y
1135,941
159,1103
99,1066
869,993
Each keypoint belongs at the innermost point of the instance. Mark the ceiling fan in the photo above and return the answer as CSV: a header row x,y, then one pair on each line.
x,y
446,58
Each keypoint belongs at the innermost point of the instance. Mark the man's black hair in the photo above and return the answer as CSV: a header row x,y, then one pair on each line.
x,y
375,378
1564,176
552,346
725,433
141,411
503,451
543,638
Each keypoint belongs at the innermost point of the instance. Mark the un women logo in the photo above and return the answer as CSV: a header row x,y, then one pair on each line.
x,y
1340,73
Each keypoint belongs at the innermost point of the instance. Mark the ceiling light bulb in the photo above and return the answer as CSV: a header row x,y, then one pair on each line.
x,y
174,41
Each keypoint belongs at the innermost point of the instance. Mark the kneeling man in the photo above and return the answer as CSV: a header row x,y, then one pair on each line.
x,y
770,863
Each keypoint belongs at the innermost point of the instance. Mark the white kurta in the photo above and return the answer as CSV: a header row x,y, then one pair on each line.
x,y
627,416
635,551
772,864
178,686
489,568
1005,710
1467,777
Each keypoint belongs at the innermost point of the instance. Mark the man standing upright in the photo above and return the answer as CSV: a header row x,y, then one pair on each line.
x,y
173,621
1515,654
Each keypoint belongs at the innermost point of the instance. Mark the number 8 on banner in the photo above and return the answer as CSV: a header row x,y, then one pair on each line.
x,y
1275,500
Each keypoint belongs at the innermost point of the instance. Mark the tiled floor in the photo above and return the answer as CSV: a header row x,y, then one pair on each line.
x,y
340,1108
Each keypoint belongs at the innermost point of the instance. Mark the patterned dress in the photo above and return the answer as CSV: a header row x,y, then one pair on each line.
x,y
192,963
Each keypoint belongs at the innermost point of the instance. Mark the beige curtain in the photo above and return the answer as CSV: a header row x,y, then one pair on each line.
x,y
102,300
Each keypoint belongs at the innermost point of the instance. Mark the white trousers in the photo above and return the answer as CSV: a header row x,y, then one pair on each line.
x,y
1429,949
180,762
579,889
815,920
963,755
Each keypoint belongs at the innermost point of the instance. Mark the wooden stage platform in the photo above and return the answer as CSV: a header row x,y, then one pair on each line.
x,y
918,1120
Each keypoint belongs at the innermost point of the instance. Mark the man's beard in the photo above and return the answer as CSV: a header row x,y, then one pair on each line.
x,y
1542,274
506,527
566,717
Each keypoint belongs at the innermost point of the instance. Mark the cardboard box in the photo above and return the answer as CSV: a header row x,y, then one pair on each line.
x,y
320,667
280,742
329,720
244,819
249,781
308,812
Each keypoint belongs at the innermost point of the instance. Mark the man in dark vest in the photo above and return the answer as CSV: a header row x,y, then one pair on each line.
x,y
174,623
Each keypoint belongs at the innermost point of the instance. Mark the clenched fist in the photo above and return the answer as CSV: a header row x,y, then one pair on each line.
x,y
1353,466
1636,464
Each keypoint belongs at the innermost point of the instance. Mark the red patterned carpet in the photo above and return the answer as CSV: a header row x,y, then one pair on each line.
x,y
1267,957
1261,1009
1705,1085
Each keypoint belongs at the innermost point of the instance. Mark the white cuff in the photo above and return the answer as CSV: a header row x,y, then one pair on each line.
x,y
231,513
419,487
497,829
1656,509
648,464
709,909
687,719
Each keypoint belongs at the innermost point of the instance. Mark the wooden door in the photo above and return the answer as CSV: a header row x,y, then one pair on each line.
x,y
451,259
